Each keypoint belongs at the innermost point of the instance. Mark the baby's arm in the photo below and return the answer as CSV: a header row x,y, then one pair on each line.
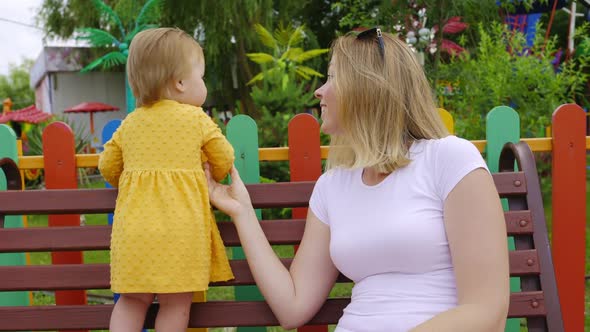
x,y
110,162
217,150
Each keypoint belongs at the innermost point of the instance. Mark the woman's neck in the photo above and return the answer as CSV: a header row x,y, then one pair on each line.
x,y
373,177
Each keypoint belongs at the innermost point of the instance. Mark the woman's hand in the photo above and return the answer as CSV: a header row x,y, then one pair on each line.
x,y
232,199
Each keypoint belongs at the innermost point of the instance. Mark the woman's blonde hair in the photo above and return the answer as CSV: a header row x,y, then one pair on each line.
x,y
385,103
156,58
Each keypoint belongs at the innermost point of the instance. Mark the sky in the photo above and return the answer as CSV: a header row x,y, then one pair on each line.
x,y
18,41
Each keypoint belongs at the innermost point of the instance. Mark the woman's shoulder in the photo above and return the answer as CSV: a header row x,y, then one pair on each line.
x,y
448,145
336,175
449,151
455,146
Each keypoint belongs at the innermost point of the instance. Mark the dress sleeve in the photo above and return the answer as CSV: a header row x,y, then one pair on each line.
x,y
216,148
455,158
110,161
317,202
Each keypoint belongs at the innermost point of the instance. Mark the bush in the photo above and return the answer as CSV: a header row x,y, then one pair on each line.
x,y
503,70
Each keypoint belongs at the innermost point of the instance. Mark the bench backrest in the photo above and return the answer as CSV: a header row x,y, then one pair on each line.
x,y
537,302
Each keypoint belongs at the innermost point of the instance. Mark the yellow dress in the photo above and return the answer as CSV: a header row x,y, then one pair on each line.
x,y
164,237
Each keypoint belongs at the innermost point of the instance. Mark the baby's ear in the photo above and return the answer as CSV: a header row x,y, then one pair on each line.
x,y
179,85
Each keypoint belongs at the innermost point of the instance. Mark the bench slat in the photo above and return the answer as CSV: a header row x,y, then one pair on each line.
x,y
527,304
279,232
510,183
96,276
208,314
79,201
57,201
519,222
34,239
286,194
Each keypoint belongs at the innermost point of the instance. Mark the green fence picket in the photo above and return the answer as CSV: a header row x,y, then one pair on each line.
x,y
242,133
8,149
503,126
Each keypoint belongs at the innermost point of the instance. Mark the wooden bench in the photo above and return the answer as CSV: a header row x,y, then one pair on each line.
x,y
537,302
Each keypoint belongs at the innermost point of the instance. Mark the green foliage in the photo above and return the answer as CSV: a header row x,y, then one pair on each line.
x,y
286,59
102,38
357,13
278,94
148,13
504,71
285,87
97,37
15,85
108,60
109,15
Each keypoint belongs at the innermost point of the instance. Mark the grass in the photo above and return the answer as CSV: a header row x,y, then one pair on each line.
x,y
226,293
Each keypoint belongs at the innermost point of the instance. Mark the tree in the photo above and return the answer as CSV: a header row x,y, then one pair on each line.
x,y
223,27
16,86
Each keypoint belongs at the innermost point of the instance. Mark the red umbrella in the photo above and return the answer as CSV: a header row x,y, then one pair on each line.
x,y
91,108
30,114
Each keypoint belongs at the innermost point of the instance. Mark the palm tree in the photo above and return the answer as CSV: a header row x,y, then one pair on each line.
x,y
286,60
102,38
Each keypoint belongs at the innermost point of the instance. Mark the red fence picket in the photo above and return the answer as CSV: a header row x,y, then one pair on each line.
x,y
59,157
569,211
305,164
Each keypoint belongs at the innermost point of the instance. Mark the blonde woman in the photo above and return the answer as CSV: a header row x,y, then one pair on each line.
x,y
395,211
165,242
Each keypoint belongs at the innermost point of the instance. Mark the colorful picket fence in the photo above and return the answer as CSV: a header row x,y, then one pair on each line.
x,y
568,147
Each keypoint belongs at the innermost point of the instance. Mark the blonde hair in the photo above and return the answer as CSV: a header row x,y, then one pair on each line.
x,y
385,104
157,57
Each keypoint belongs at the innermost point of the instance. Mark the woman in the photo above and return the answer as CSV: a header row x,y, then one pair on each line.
x,y
395,211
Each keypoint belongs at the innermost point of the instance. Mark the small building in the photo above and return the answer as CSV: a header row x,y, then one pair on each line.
x,y
58,84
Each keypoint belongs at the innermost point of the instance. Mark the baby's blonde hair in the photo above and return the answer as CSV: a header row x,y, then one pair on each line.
x,y
385,103
156,58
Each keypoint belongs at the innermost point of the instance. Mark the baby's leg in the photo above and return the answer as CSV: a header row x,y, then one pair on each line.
x,y
129,312
174,312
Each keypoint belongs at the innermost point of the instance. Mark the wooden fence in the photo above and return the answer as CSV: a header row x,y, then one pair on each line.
x,y
567,146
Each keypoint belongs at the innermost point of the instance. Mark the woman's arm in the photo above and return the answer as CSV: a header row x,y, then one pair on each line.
x,y
294,295
476,232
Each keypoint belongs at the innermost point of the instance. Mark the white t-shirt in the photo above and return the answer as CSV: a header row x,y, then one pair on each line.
x,y
390,238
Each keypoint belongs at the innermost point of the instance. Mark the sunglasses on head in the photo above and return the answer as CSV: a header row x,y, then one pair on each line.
x,y
370,34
